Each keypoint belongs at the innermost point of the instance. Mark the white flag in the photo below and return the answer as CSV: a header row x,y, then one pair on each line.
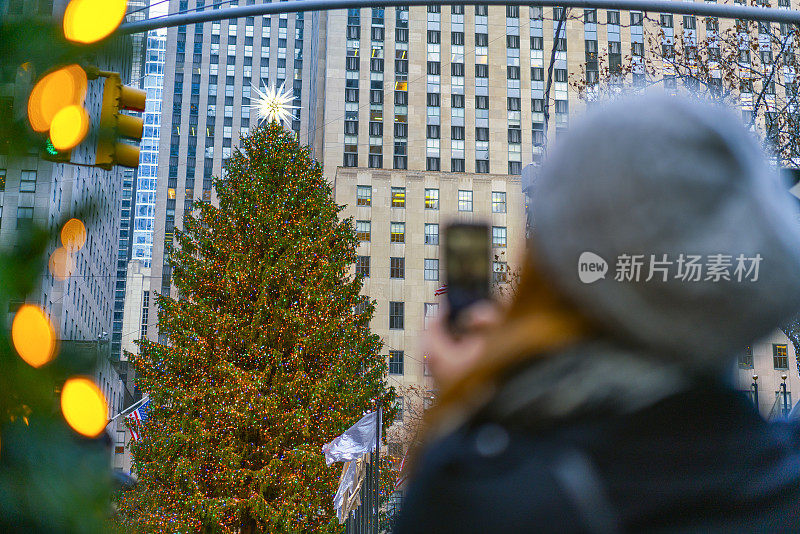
x,y
347,497
356,441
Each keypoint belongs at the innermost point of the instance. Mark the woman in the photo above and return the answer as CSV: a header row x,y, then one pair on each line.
x,y
602,405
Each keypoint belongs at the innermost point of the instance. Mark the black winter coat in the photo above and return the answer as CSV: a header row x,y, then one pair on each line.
x,y
701,460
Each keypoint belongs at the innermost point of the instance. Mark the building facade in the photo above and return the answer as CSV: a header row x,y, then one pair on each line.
x,y
147,176
137,10
399,217
763,369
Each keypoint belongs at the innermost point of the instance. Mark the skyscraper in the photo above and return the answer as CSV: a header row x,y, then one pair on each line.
x,y
137,10
137,266
142,245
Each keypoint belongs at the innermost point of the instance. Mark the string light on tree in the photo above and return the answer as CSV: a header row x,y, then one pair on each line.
x,y
266,360
274,104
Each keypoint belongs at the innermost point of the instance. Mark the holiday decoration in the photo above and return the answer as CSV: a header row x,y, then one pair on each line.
x,y
264,360
273,104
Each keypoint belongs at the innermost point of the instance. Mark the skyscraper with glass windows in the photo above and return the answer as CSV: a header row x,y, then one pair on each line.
x,y
142,245
137,10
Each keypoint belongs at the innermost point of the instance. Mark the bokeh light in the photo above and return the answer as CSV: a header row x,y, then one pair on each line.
x,y
73,235
69,127
61,264
84,407
33,335
88,21
55,91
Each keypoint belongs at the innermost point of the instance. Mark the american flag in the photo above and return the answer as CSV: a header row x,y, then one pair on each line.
x,y
441,291
136,420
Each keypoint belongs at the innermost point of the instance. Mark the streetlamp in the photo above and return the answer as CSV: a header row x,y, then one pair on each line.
x,y
784,376
754,387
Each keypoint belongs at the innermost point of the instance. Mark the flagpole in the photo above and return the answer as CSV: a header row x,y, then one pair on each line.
x,y
377,466
129,409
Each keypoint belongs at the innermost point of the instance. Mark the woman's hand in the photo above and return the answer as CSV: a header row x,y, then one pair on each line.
x,y
449,357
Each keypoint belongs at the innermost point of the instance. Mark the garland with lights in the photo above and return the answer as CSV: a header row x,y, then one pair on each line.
x,y
266,359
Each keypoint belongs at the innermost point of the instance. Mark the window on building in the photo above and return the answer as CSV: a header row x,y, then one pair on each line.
x,y
431,234
498,202
431,311
397,267
499,272
362,266
145,314
431,269
398,232
363,230
431,199
361,306
2,179
464,200
396,315
746,358
364,195
24,215
396,362
398,197
780,359
27,182
499,236
398,403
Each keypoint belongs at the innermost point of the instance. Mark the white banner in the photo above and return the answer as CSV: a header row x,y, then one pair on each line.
x,y
356,441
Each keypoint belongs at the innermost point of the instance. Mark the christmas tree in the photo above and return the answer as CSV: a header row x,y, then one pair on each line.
x,y
266,358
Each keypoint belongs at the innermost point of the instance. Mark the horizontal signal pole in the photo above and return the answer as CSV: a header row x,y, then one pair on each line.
x,y
293,6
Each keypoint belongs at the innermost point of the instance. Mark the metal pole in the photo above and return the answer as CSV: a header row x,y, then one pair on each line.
x,y
377,465
755,392
295,6
785,397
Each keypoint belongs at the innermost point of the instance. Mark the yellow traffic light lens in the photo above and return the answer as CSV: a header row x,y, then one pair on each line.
x,y
55,91
73,235
88,21
69,127
33,336
84,407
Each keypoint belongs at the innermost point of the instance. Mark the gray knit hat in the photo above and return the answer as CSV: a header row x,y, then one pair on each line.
x,y
675,190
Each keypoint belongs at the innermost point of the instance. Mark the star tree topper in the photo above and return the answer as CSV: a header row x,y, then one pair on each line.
x,y
273,104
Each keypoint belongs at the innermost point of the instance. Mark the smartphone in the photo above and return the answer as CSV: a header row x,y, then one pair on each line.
x,y
467,267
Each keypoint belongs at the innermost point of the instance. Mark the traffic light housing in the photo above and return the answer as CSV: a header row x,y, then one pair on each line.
x,y
51,153
115,125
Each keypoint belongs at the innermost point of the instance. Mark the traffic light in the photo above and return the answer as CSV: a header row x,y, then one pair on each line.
x,y
55,108
115,125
